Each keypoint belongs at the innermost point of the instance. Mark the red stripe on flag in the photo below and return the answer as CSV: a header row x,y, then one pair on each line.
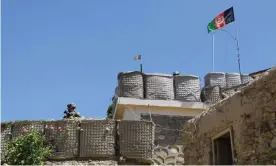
x,y
219,20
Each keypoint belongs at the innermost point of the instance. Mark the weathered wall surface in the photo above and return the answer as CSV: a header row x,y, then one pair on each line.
x,y
168,155
251,113
167,128
96,139
167,112
168,146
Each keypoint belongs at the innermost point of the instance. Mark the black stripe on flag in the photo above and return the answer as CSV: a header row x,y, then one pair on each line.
x,y
229,15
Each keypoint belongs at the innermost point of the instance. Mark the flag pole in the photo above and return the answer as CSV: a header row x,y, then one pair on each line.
x,y
213,51
141,68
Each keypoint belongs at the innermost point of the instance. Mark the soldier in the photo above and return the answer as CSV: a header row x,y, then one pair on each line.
x,y
176,73
71,112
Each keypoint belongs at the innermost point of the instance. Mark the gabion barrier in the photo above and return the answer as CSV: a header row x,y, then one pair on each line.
x,y
131,84
159,87
69,139
211,94
117,91
245,78
5,136
97,138
215,79
187,88
232,79
136,139
62,136
25,127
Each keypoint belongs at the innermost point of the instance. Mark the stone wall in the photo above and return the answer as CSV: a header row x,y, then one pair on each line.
x,y
251,116
167,128
168,146
89,139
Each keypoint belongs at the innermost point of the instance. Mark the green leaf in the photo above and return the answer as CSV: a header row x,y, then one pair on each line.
x,y
27,149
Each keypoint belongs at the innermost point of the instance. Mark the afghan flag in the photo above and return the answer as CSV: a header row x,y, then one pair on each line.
x,y
222,20
138,57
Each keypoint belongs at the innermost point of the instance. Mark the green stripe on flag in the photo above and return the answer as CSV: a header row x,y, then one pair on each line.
x,y
221,20
138,57
211,26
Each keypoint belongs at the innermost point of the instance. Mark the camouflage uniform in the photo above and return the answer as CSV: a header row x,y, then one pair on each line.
x,y
70,112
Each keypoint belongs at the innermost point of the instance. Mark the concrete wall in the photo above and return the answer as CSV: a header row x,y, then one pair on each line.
x,y
104,139
163,107
250,114
135,112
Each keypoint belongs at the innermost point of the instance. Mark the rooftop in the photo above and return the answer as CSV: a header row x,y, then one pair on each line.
x,y
258,72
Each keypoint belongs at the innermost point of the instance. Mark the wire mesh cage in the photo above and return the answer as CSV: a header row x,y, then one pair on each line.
x,y
232,79
97,138
215,79
24,127
117,91
136,139
131,84
187,88
5,137
245,78
167,128
62,136
211,94
159,86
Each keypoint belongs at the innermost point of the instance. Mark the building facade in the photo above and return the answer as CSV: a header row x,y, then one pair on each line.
x,y
238,130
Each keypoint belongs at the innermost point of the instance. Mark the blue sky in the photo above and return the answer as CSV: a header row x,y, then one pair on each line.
x,y
58,52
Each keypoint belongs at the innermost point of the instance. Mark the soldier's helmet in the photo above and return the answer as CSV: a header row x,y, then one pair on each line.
x,y
72,105
175,73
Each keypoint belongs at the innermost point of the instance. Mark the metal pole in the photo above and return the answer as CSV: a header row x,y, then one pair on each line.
x,y
238,46
213,51
141,68
238,50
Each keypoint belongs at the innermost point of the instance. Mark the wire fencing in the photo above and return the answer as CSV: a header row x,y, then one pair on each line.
x,y
71,139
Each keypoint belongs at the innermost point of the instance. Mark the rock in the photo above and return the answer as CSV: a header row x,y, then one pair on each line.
x,y
161,137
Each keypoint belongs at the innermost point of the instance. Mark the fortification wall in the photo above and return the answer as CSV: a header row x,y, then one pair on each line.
x,y
179,87
251,116
168,128
168,148
89,139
